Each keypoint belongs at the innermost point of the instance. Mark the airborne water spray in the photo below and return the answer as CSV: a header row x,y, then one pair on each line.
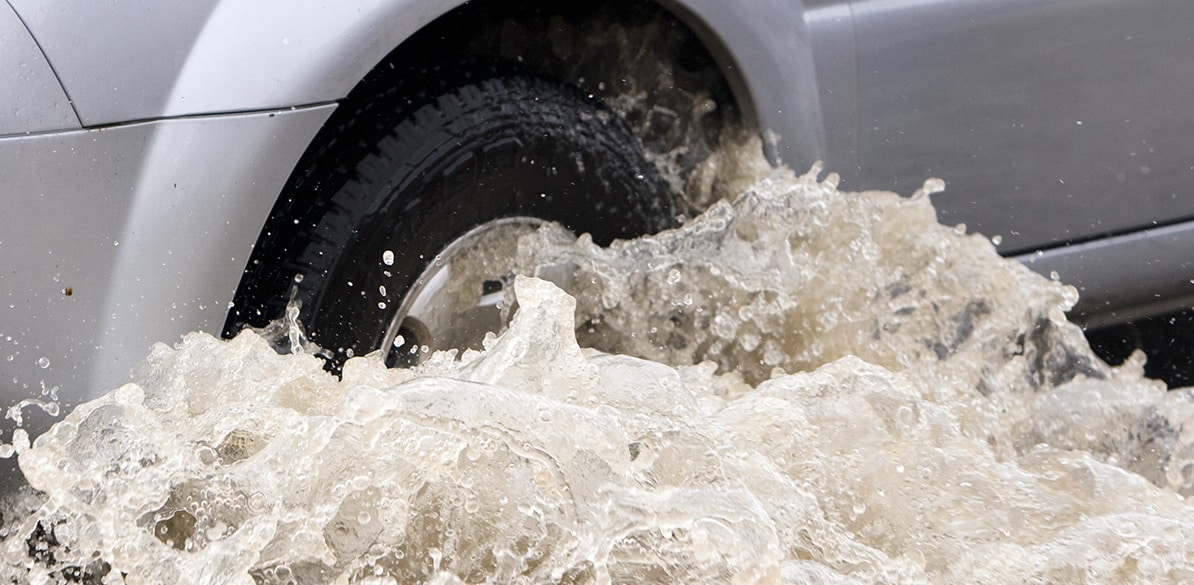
x,y
799,386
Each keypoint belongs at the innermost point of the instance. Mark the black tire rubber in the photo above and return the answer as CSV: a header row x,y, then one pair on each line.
x,y
419,164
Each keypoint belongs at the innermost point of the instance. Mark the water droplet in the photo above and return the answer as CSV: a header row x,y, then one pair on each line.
x,y
930,187
43,363
298,278
996,239
387,257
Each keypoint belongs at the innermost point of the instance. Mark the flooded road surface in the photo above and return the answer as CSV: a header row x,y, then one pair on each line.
x,y
800,386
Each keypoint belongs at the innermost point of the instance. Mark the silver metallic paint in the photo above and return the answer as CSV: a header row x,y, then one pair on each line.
x,y
830,26
31,100
769,60
145,59
1124,277
148,224
117,60
1051,121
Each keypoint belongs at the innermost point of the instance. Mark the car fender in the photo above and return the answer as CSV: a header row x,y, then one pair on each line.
x,y
128,236
32,100
767,56
141,59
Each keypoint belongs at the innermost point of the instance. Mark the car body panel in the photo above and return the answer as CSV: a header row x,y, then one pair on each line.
x,y
1125,277
770,62
143,59
830,30
130,235
117,60
33,100
1060,126
284,52
1051,122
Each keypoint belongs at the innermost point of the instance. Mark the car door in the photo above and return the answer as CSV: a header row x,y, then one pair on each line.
x,y
1051,121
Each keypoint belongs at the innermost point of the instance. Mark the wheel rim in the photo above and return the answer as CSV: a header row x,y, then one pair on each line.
x,y
458,297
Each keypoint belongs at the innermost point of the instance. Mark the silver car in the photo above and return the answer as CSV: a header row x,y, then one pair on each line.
x,y
209,165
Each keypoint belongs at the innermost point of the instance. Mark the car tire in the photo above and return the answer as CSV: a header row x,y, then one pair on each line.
x,y
422,162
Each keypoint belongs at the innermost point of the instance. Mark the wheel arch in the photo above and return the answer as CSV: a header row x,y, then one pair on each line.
x,y
673,52
143,60
282,56
767,55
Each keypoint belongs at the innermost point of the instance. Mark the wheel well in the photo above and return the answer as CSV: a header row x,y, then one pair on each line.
x,y
645,61
639,58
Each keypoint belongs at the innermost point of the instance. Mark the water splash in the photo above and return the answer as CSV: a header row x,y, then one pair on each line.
x,y
799,386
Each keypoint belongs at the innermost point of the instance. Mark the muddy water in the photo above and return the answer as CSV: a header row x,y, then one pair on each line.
x,y
799,386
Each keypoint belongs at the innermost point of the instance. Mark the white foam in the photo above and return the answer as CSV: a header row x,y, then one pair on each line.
x,y
801,386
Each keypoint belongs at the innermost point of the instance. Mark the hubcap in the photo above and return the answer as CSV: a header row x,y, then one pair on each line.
x,y
457,298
